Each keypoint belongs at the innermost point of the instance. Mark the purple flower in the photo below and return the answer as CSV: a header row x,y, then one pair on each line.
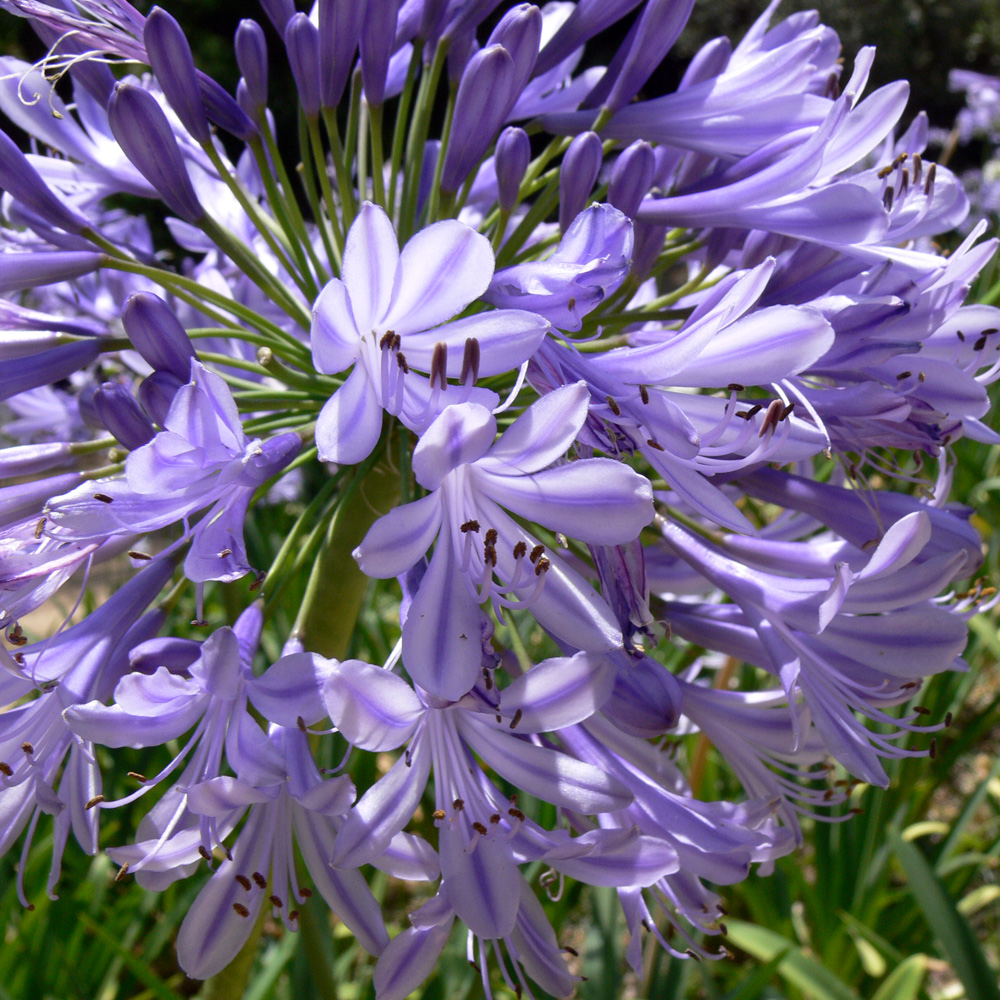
x,y
389,315
471,479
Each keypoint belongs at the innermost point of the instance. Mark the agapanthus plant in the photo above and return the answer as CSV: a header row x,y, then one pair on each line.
x,y
566,410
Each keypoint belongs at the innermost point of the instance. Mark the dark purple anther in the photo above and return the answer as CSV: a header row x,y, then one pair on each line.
x,y
519,32
632,177
173,65
144,134
340,24
302,44
251,57
156,393
480,108
24,184
123,416
157,334
279,12
378,34
580,168
511,159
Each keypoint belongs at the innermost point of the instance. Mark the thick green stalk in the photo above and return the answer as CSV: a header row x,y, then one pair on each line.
x,y
336,587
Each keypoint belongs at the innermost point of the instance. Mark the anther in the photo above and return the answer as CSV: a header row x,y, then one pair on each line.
x,y
542,566
94,801
103,497
28,748
613,404
489,555
487,679
439,365
961,336
948,718
904,183
122,872
932,749
884,172
787,411
644,394
920,710
655,444
570,951
900,160
479,828
301,723
979,344
401,361
293,914
40,527
516,719
918,168
472,525
771,417
458,805
258,580
408,758
259,879
241,910
736,387
439,814
903,375
225,553
139,555
244,881
5,769
386,343
305,892
199,623
520,550
203,851
276,902
470,362
922,377
516,813
491,536
929,182
887,197
495,818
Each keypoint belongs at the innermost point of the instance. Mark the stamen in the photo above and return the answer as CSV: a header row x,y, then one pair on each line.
x,y
439,366
241,910
470,362
104,498
260,880
244,881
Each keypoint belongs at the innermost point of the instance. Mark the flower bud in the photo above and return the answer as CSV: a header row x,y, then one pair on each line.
x,y
589,17
171,61
632,177
19,270
48,366
123,416
510,162
519,32
340,23
144,134
302,45
251,57
378,34
156,394
579,171
224,110
279,12
23,183
480,107
157,334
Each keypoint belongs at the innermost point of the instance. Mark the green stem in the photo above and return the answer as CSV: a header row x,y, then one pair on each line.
x,y
378,155
342,167
321,162
399,127
312,192
336,588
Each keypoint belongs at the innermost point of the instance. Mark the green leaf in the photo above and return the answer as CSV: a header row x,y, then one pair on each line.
x,y
904,982
796,967
136,966
957,940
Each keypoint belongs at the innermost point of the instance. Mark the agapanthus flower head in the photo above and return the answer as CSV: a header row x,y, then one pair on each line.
x,y
504,433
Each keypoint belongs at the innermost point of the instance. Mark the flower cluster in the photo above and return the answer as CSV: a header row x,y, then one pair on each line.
x,y
614,393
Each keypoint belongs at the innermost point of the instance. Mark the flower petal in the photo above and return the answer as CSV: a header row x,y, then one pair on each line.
x,y
441,270
371,260
398,539
373,708
350,422
334,334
